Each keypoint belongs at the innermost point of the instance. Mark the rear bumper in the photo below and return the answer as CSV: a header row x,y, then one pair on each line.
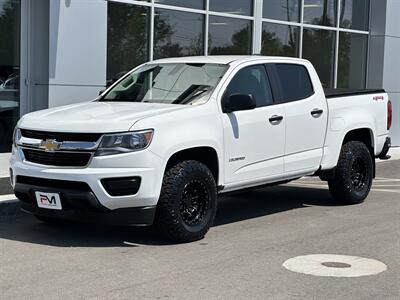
x,y
80,204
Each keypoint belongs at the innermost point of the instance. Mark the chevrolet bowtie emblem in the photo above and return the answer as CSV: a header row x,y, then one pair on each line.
x,y
50,145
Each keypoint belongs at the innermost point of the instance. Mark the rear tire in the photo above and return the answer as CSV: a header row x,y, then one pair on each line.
x,y
188,202
353,175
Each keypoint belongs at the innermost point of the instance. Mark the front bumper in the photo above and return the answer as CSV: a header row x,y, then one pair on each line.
x,y
143,164
78,202
137,216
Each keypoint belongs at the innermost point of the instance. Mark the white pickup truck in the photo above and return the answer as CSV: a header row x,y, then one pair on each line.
x,y
161,143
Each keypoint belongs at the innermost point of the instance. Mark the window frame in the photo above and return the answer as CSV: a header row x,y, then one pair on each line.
x,y
277,86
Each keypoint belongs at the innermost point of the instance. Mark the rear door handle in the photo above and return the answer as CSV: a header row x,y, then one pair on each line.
x,y
316,112
275,119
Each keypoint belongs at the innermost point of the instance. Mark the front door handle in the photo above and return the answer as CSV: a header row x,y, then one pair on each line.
x,y
316,112
275,119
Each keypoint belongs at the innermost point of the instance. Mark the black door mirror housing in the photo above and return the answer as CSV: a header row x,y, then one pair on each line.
x,y
236,102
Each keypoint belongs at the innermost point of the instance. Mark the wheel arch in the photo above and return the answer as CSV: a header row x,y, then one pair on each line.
x,y
205,154
364,135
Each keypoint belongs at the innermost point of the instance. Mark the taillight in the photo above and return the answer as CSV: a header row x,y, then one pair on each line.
x,y
389,115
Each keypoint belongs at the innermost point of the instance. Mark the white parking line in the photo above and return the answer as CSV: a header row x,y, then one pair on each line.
x,y
309,185
386,185
7,197
386,191
387,179
322,186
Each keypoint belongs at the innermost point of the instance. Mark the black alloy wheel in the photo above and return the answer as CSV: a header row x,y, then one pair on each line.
x,y
353,175
188,202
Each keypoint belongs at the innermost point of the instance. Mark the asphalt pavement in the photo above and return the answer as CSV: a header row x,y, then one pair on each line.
x,y
240,258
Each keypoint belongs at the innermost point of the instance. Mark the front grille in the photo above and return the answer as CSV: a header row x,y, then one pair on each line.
x,y
61,136
61,159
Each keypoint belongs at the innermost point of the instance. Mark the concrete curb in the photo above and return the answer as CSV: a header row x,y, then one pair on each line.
x,y
9,208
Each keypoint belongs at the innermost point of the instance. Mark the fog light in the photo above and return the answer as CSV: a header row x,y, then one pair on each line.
x,y
121,186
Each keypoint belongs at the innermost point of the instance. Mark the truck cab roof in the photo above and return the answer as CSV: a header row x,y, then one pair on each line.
x,y
224,59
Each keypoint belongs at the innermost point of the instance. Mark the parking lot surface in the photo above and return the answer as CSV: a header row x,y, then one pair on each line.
x,y
240,258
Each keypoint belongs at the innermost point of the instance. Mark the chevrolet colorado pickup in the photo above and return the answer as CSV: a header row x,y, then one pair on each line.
x,y
161,143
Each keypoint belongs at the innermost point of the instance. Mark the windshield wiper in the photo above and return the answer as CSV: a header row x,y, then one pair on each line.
x,y
191,93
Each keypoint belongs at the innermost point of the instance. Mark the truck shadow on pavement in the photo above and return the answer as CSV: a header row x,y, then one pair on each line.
x,y
232,208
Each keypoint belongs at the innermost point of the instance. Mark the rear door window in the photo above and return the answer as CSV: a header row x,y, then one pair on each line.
x,y
294,82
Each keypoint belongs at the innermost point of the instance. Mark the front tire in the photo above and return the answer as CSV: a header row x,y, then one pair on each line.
x,y
188,202
353,175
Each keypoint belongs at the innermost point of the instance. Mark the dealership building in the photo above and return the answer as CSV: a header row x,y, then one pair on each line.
x,y
57,52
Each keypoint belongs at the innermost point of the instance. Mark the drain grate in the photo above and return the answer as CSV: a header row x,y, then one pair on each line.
x,y
332,265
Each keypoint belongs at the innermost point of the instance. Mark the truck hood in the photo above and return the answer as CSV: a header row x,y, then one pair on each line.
x,y
94,117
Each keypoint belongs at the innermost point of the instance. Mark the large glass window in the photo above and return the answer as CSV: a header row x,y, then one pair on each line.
x,y
354,14
168,83
128,38
177,33
320,12
287,10
319,48
10,17
352,65
199,4
282,40
229,36
253,81
238,7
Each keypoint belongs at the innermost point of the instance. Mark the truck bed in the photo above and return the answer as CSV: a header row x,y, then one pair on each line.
x,y
335,93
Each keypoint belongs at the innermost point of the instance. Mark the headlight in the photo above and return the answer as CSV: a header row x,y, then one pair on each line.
x,y
16,136
124,142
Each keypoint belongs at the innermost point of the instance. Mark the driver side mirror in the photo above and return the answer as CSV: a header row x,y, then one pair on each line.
x,y
236,102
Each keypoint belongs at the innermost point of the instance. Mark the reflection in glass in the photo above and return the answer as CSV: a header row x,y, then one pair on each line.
x,y
352,64
354,14
177,33
9,70
179,83
285,10
237,7
229,36
199,4
128,37
282,40
320,12
319,48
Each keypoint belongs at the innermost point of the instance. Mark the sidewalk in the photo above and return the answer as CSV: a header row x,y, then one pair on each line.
x,y
394,153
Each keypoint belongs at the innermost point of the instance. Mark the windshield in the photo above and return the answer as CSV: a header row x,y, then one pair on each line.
x,y
177,83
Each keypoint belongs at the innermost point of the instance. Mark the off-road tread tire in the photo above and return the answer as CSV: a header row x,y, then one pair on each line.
x,y
340,185
168,219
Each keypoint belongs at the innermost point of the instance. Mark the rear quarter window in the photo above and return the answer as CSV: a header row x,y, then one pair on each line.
x,y
295,82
